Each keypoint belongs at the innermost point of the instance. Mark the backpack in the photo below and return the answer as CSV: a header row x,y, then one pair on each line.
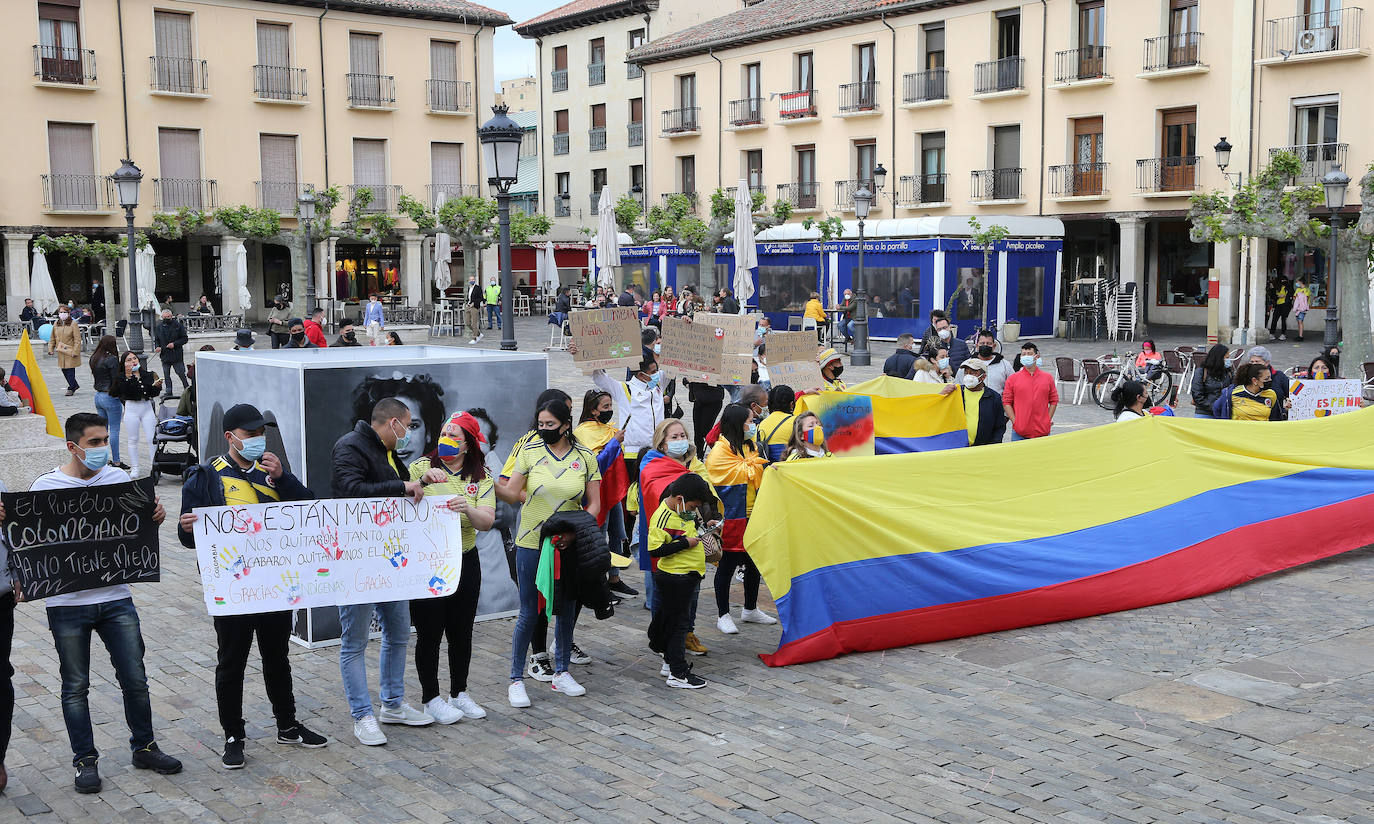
x,y
1221,407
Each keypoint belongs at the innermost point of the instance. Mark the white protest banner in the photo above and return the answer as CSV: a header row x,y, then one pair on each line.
x,y
300,554
606,338
1317,399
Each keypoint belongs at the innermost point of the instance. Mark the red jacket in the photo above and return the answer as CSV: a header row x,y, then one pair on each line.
x,y
315,334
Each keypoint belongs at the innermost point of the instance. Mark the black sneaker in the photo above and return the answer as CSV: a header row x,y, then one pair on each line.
x,y
233,754
87,776
301,737
619,587
151,758
690,681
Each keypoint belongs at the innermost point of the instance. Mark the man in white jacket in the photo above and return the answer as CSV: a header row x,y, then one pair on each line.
x,y
638,407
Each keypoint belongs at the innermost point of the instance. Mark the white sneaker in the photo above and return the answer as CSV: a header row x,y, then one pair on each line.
x,y
756,616
665,670
472,341
577,656
564,682
479,338
442,712
367,732
405,714
726,624
468,707
539,668
517,695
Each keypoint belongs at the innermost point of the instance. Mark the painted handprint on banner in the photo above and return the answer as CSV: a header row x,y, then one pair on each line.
x,y
442,582
329,542
235,562
292,582
393,552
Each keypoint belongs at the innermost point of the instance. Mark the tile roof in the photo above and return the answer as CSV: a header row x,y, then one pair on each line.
x,y
578,12
771,19
458,11
525,120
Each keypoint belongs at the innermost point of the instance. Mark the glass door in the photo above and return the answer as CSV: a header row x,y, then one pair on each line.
x,y
1091,38
1182,32
1178,150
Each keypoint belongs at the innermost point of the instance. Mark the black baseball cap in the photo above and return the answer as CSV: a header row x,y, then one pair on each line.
x,y
246,417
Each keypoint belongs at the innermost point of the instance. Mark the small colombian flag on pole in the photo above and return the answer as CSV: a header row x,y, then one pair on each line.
x,y
26,379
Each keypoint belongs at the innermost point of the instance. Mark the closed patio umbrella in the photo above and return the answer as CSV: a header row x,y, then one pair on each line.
x,y
746,248
607,241
40,284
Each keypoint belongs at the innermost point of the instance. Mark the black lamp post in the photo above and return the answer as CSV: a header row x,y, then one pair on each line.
x,y
863,201
1335,183
305,208
501,138
126,179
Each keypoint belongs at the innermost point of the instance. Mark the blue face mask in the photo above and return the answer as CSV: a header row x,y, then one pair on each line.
x,y
96,458
653,381
1028,360
679,448
944,363
750,431
402,440
253,448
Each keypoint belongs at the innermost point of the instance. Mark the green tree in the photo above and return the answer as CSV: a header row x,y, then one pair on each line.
x,y
984,237
830,228
1266,206
105,253
474,224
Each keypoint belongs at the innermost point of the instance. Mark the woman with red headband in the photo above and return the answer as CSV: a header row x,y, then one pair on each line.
x,y
458,469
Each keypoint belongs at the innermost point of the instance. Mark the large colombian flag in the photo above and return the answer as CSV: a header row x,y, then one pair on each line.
x,y
26,380
889,416
1115,517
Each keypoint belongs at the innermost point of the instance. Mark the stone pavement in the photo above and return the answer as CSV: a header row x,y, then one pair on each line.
x,y
1249,705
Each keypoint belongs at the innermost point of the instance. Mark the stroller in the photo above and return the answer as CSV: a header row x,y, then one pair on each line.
x,y
173,429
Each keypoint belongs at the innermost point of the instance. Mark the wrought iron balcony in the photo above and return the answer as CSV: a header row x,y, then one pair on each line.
x,y
758,189
996,184
1078,180
439,193
923,87
746,112
596,74
561,207
385,196
844,194
1173,51
278,82
859,97
449,96
171,194
634,71
179,75
279,195
78,193
922,190
802,195
1166,174
691,198
1007,74
682,120
1313,33
371,91
560,80
795,105
1316,158
1087,63
60,64
560,143
635,134
596,139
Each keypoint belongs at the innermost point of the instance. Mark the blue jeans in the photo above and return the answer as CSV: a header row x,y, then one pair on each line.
x,y
494,315
1199,412
526,567
355,621
116,622
113,410
1016,437
849,329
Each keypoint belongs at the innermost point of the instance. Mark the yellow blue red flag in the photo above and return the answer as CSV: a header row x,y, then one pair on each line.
x,y
889,416
27,381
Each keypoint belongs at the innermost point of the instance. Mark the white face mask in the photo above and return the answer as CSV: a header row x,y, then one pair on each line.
x,y
971,381
944,334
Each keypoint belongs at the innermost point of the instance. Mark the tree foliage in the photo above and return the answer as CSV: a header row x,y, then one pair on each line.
x,y
473,222
677,221
985,238
830,228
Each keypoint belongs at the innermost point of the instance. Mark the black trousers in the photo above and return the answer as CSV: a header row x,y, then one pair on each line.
x,y
448,617
235,634
725,576
1279,318
672,617
6,672
707,402
167,369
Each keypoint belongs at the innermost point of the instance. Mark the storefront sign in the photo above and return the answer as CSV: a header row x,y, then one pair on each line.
x,y
1318,399
712,348
606,338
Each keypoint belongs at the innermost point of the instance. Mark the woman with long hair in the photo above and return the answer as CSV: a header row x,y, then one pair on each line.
x,y
776,427
555,475
421,395
808,439
735,469
66,341
459,469
1321,369
137,388
104,363
1210,381
1129,400
594,431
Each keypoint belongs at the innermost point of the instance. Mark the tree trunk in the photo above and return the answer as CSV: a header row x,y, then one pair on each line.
x,y
708,269
114,310
987,279
1357,347
300,272
470,268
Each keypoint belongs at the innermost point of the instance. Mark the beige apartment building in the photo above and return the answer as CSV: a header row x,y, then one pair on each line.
x,y
520,94
1100,113
228,102
591,101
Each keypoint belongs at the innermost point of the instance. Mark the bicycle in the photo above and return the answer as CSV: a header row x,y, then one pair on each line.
x,y
1156,379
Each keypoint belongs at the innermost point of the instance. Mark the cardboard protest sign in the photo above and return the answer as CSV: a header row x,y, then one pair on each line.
x,y
711,348
299,554
71,540
1318,399
802,376
790,347
606,338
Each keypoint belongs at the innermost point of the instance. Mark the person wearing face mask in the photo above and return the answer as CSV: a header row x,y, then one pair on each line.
x,y
555,475
278,327
898,364
831,369
98,302
755,398
942,335
136,386
472,310
1253,398
171,339
735,469
1129,401
680,568
314,328
366,466
296,338
983,412
492,296
846,320
244,475
998,369
373,320
1030,397
776,425
348,335
594,431
458,470
66,341
1278,381
638,406
807,440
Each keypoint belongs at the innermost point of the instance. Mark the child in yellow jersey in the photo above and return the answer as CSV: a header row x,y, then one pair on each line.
x,y
808,439
681,566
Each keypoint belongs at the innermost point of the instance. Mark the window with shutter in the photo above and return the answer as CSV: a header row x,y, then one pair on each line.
x,y
72,183
272,75
444,91
173,68
180,186
369,162
445,172
278,186
365,69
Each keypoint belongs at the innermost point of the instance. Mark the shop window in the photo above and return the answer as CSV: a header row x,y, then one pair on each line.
x,y
968,295
1030,291
690,275
169,270
276,273
1182,267
784,288
1301,264
897,289
360,271
72,278
637,275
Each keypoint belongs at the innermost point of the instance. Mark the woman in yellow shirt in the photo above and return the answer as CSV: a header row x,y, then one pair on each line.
x,y
816,311
459,469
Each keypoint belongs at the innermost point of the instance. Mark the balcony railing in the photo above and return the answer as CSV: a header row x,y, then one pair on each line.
x,y
758,189
682,120
179,75
1002,75
1077,180
561,208
746,112
371,91
528,203
596,74
803,195
596,139
78,193
449,95
60,64
844,193
996,184
859,97
921,190
635,134
171,194
795,105
1173,51
691,198
1313,33
922,87
279,195
1166,174
385,196
278,82
634,71
560,80
560,143
1316,158
1086,63
437,194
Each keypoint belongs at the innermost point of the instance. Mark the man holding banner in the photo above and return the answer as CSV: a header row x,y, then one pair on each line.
x,y
247,474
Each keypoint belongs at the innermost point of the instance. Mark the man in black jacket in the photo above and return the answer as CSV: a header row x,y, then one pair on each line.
x,y
943,335
247,474
989,423
627,297
902,362
366,466
171,340
728,304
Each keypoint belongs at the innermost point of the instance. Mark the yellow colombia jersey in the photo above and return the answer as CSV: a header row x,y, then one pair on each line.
x,y
242,488
663,528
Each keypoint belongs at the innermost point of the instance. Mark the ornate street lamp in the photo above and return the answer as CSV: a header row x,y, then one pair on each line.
x,y
1335,183
305,209
501,138
863,200
126,179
